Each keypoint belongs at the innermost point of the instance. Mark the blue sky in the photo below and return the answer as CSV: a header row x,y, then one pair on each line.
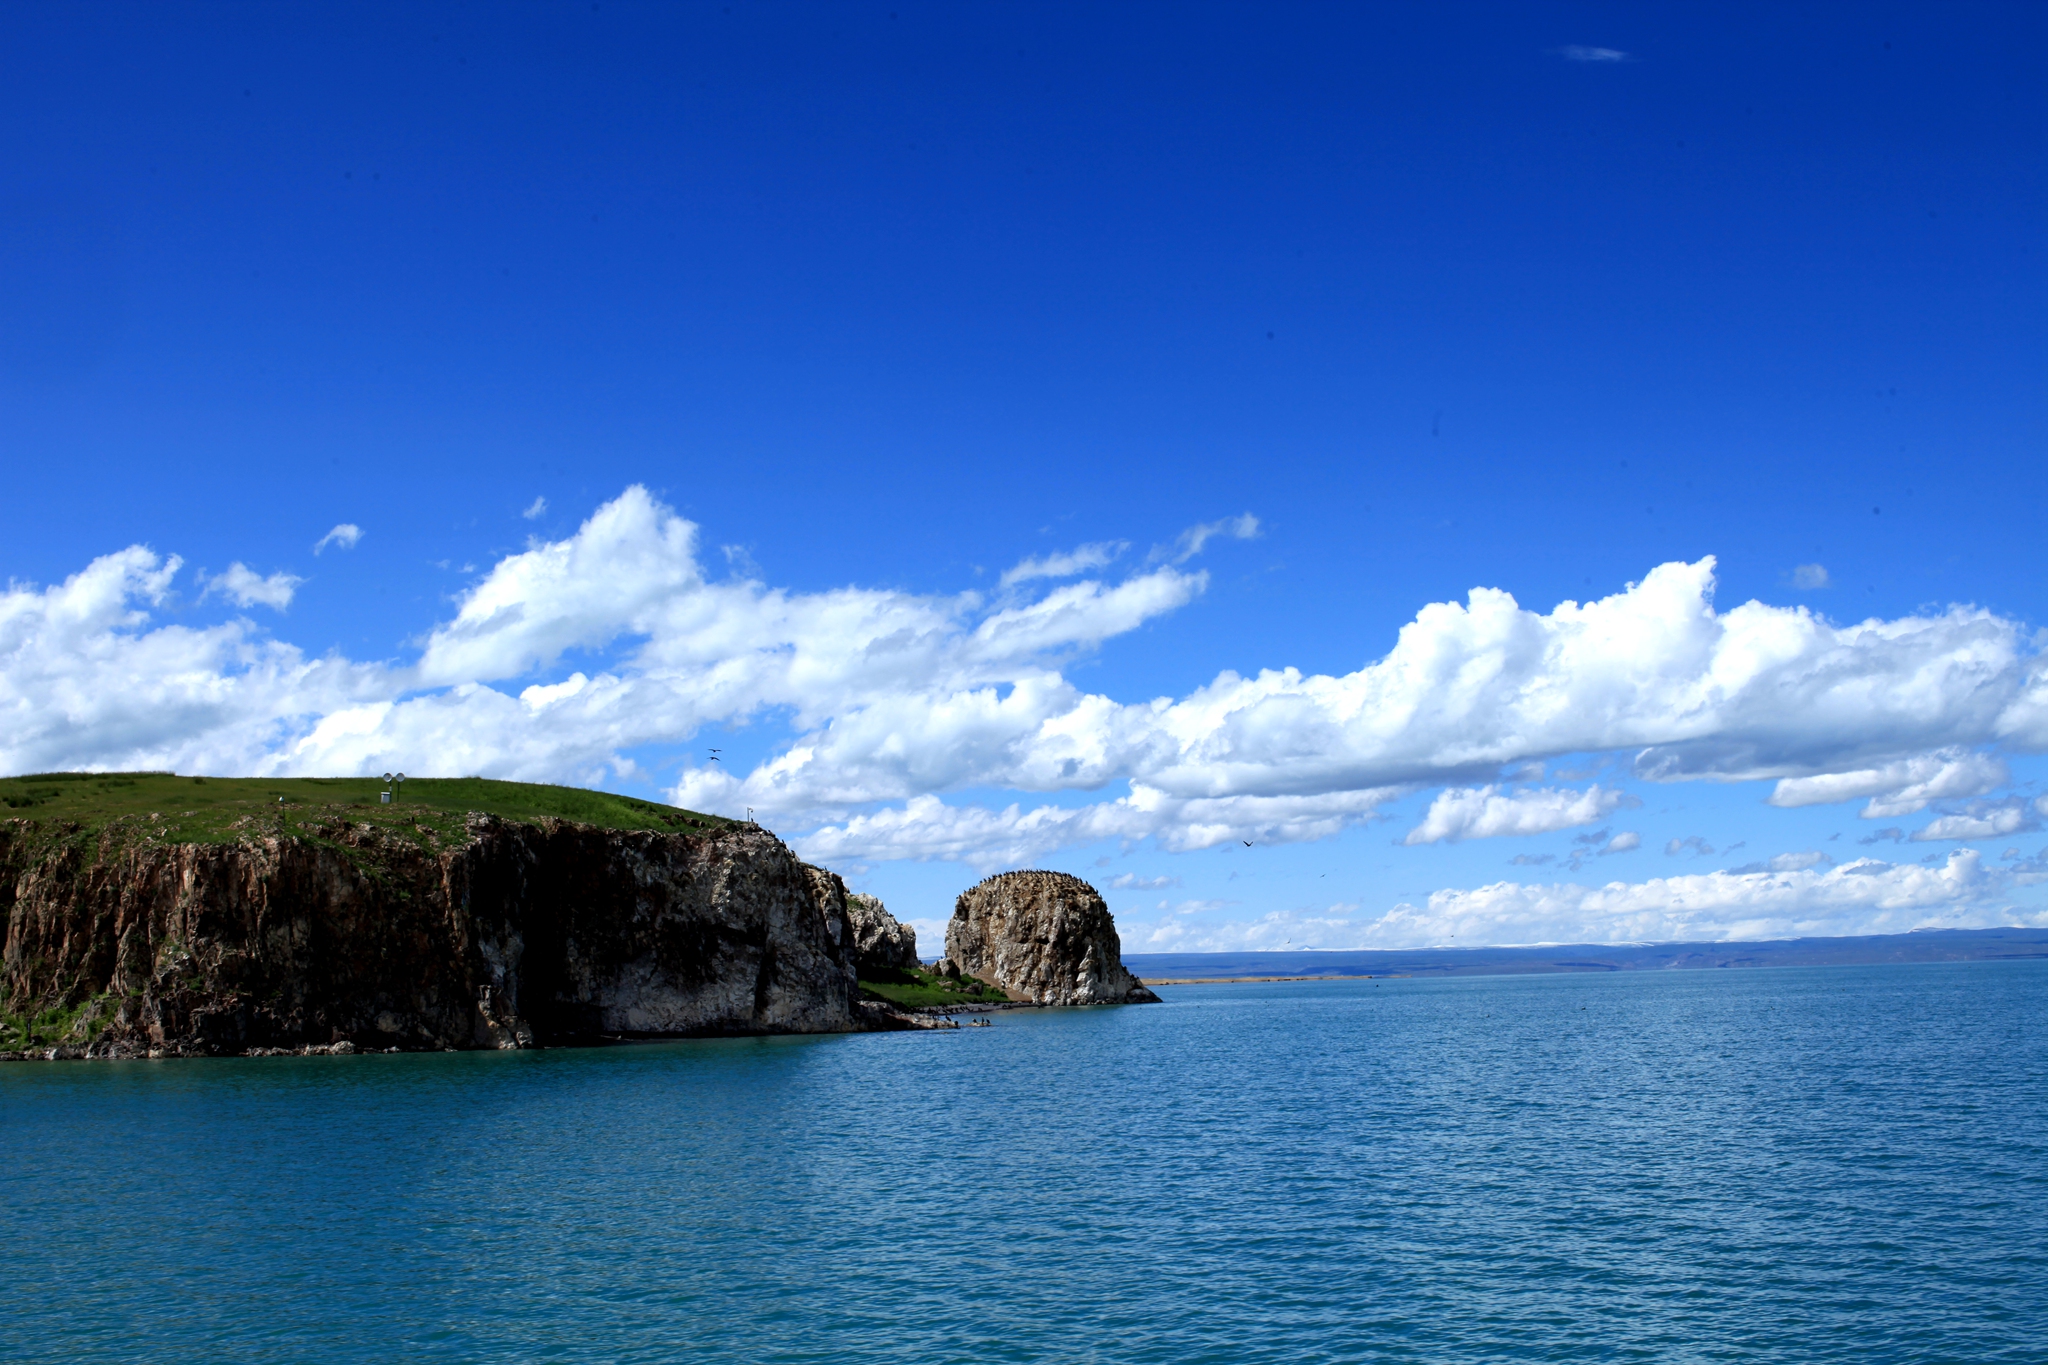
x,y
710,354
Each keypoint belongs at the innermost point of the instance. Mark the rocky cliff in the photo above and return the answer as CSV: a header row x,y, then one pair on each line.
x,y
1041,936
879,941
346,935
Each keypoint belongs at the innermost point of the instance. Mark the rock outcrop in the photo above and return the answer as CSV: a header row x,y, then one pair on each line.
x,y
1044,937
879,940
517,935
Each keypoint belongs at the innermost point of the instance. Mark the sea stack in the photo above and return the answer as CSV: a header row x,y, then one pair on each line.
x,y
879,940
1045,937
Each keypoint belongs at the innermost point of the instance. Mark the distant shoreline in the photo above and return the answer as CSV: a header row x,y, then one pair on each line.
x,y
1242,980
1924,945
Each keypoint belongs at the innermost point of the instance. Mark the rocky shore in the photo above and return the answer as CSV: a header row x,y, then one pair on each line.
x,y
338,936
345,936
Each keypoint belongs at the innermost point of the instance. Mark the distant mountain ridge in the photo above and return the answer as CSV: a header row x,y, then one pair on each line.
x,y
1923,945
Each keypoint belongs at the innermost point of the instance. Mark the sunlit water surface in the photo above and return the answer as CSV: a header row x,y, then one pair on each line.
x,y
1831,1164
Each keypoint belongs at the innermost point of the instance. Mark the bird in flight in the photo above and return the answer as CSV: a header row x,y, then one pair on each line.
x,y
714,755
1247,843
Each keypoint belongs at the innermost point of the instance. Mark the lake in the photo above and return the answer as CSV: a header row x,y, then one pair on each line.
x,y
1798,1164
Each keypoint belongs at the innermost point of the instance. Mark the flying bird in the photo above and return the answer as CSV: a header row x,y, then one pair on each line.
x,y
1247,843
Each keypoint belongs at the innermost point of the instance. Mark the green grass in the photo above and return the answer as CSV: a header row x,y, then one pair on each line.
x,y
58,1024
214,809
915,987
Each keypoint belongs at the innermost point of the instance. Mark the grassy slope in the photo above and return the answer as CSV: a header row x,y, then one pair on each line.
x,y
916,987
210,809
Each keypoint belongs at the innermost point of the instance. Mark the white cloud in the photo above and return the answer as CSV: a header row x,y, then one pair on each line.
x,y
1129,881
86,680
535,508
1488,812
1699,847
345,535
1576,53
1245,527
624,567
1079,560
1625,842
1756,691
1811,577
892,699
1783,862
1901,787
1982,821
1863,897
245,587
926,829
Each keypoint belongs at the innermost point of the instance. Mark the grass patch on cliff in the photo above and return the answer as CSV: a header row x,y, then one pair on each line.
x,y
57,1024
916,988
213,809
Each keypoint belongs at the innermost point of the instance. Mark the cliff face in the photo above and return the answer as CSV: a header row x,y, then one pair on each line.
x,y
879,939
1042,936
340,934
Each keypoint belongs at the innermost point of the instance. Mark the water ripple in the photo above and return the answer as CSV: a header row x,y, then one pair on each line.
x,y
1801,1165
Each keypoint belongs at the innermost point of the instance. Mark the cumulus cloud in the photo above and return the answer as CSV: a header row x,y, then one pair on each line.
x,y
569,654
927,829
1488,812
1577,53
1863,897
1756,691
623,568
88,681
1983,821
1625,842
1079,560
245,587
1129,881
1903,787
1699,847
535,509
345,536
1811,577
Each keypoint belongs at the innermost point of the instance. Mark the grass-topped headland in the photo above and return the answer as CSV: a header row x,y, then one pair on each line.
x,y
214,809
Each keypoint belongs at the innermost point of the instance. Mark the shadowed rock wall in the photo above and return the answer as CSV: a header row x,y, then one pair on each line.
x,y
879,939
519,935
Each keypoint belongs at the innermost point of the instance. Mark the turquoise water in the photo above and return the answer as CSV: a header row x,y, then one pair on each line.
x,y
1825,1164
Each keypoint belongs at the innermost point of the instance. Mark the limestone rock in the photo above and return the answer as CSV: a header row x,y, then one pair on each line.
x,y
1044,937
521,935
879,940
